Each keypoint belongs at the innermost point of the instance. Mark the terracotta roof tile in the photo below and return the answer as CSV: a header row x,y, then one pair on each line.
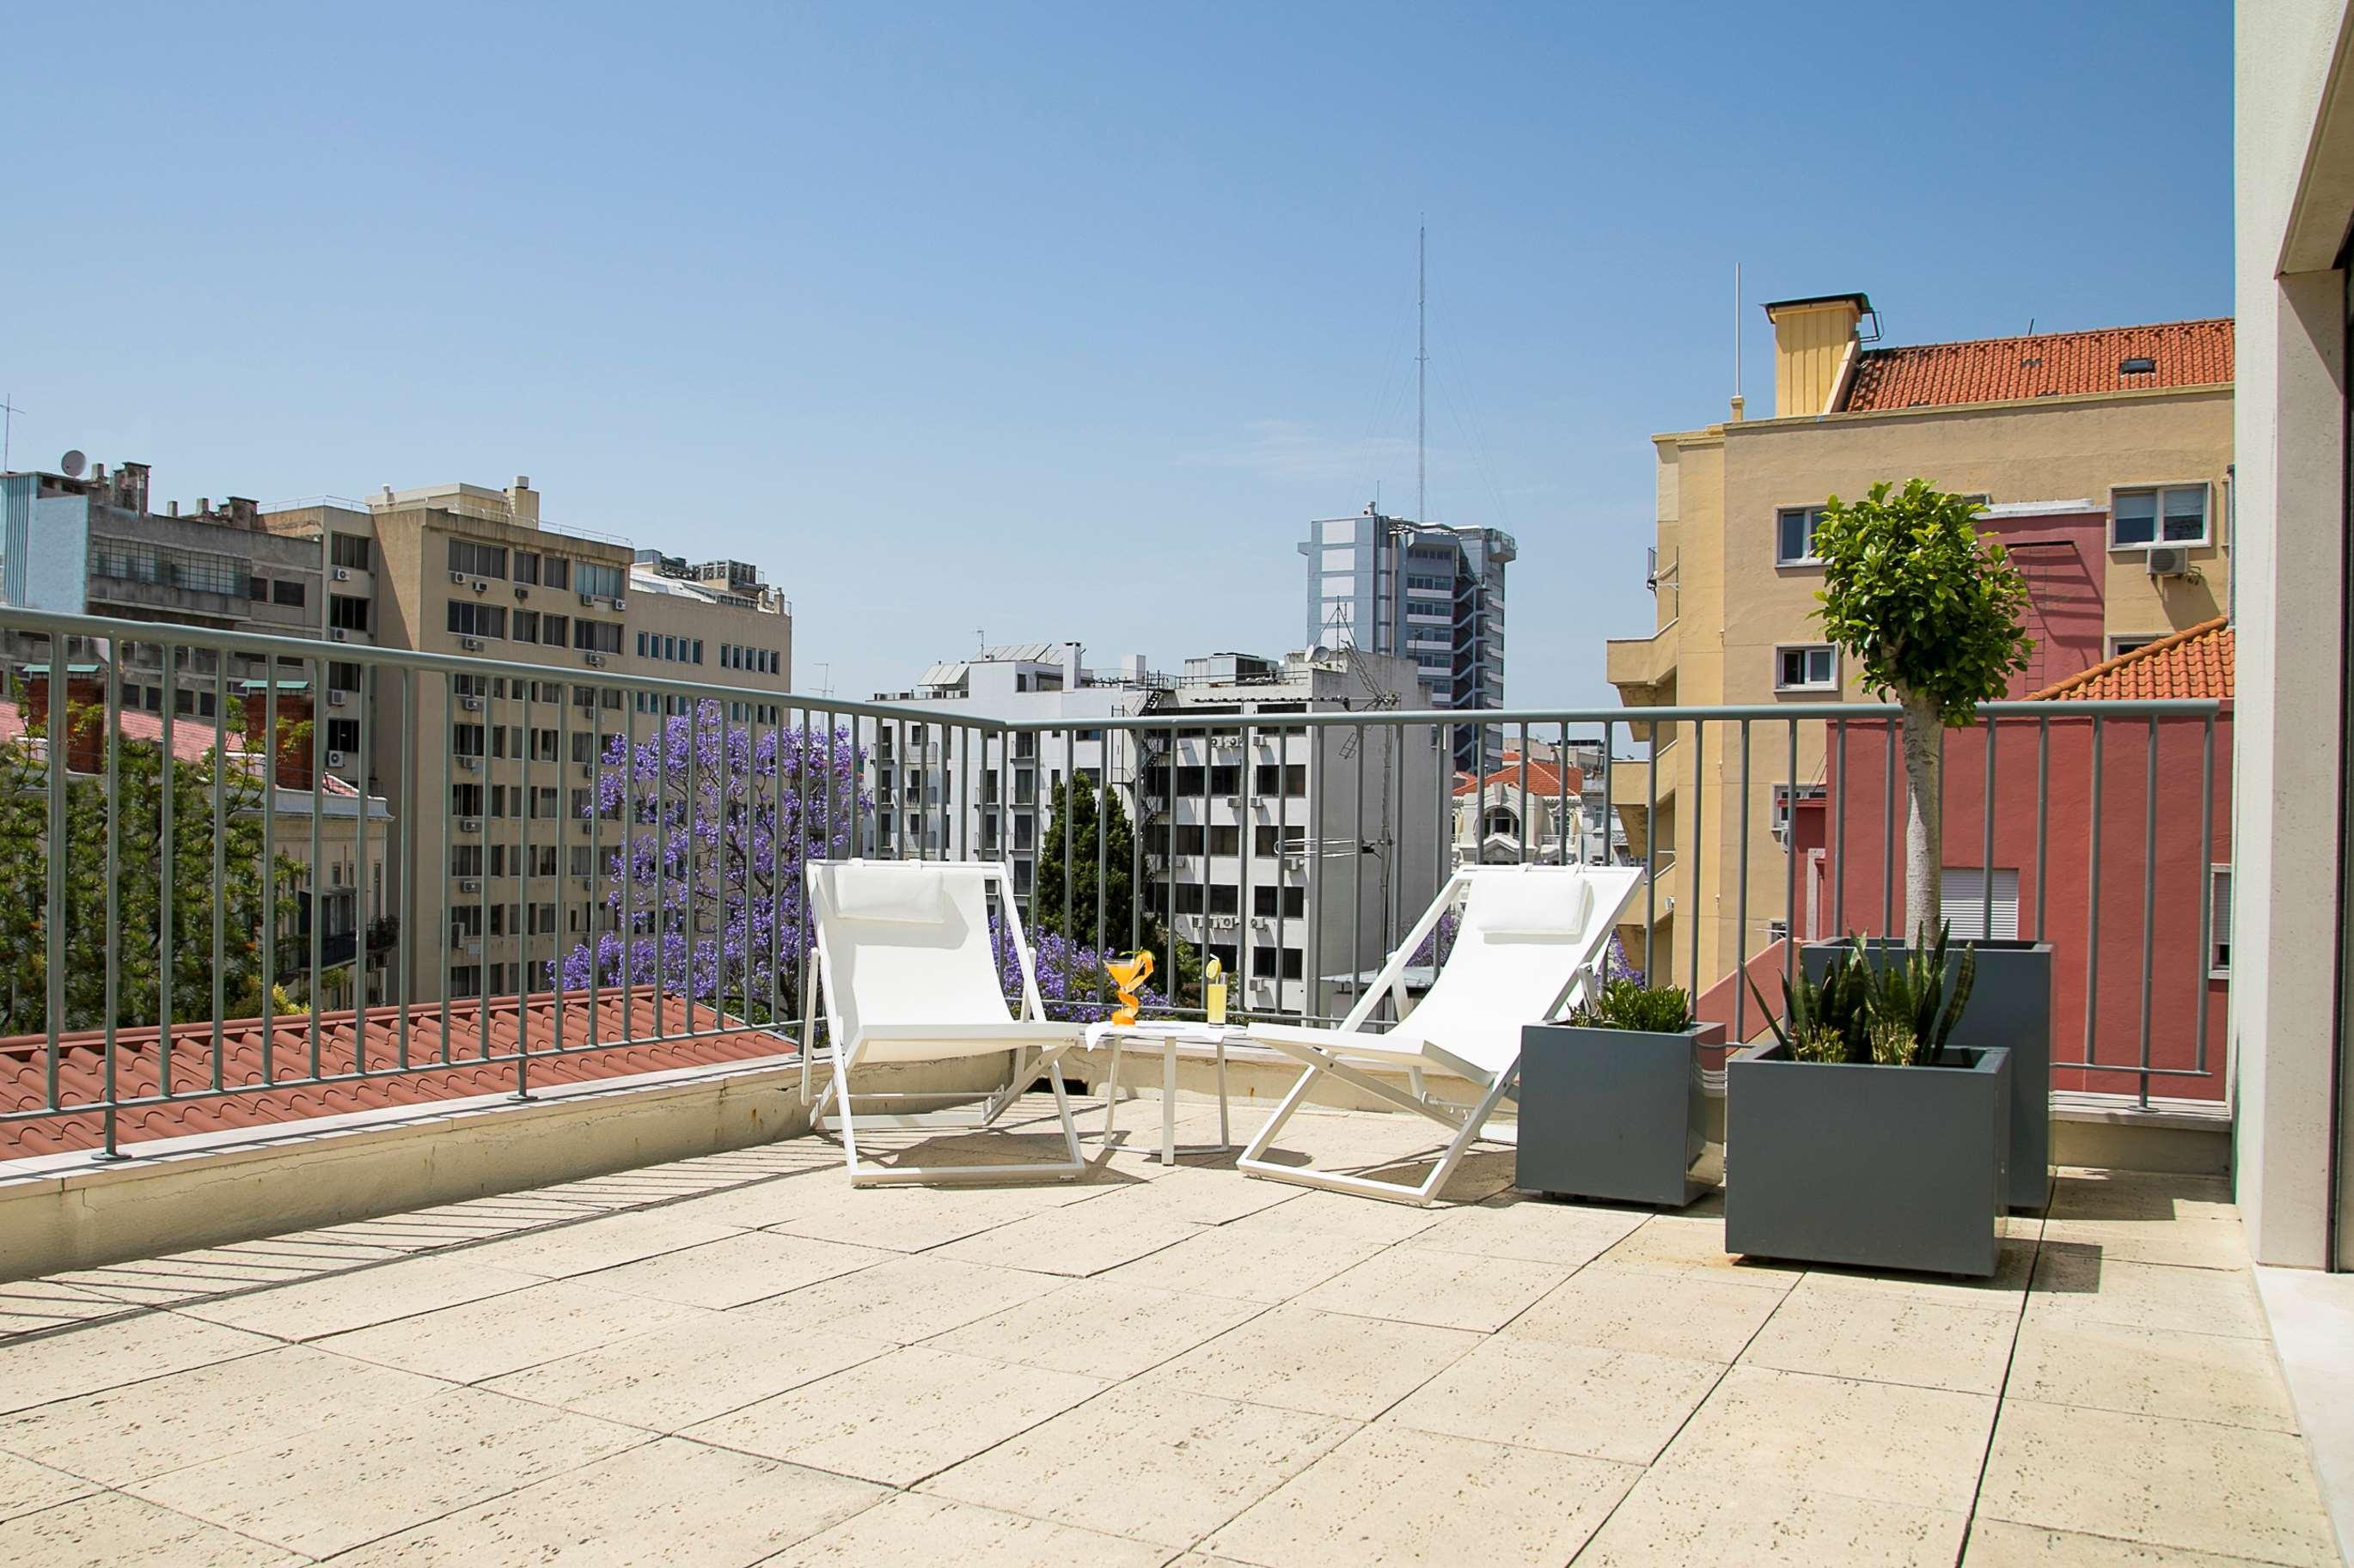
x,y
2183,353
1543,779
2195,663
81,1064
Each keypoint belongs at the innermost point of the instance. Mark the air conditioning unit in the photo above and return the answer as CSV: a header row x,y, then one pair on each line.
x,y
587,885
2167,560
337,634
470,644
1223,922
337,699
457,577
343,574
470,884
471,764
597,660
587,599
471,705
470,824
588,770
481,588
335,759
522,592
620,602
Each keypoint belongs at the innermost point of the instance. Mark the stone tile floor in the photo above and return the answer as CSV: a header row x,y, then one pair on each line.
x,y
739,1359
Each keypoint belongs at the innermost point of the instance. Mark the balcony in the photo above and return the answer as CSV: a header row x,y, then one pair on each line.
x,y
738,1358
577,1270
1640,666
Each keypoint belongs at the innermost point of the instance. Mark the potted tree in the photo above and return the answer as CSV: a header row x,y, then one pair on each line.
x,y
1931,609
1610,1102
1861,1133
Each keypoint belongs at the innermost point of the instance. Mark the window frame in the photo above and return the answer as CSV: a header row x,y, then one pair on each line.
x,y
1809,560
2219,874
1832,684
2157,491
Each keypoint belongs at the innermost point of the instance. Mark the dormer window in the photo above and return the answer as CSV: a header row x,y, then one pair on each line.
x,y
2139,365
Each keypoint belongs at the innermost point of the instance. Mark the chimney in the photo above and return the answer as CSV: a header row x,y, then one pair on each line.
x,y
1074,666
294,742
176,508
523,501
242,512
130,486
85,712
1815,345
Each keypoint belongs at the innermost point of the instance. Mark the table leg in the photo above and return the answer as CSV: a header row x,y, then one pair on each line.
x,y
1111,1089
1226,1141
1168,1103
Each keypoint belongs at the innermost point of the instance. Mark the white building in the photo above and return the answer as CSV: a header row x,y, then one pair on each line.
x,y
993,799
1303,852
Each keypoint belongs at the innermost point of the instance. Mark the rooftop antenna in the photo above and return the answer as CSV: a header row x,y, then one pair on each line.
x,y
1421,366
1738,402
825,679
8,412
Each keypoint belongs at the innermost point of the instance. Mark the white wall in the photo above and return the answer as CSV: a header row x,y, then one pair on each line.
x,y
2288,494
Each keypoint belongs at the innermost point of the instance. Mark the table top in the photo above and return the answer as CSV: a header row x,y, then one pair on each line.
x,y
1155,1030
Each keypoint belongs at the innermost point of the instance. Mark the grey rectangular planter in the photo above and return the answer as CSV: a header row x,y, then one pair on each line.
x,y
1616,1114
1875,1167
2011,1006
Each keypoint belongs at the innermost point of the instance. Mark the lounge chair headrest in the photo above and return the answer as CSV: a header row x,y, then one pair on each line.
x,y
1549,904
898,895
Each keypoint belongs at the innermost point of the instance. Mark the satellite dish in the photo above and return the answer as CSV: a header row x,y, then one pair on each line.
x,y
72,463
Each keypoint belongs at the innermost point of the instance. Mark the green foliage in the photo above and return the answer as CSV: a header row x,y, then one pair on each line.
x,y
1102,843
139,890
1894,1014
1929,605
1630,1004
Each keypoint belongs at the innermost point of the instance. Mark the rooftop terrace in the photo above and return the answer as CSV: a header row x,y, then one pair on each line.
x,y
738,1359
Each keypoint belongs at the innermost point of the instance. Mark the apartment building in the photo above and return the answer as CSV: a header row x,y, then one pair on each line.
x,y
1431,594
497,849
1543,807
937,792
1295,855
88,544
2104,460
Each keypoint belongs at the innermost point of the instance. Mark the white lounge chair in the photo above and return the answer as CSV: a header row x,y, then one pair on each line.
x,y
1532,936
906,974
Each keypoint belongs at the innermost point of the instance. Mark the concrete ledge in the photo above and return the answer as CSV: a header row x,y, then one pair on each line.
x,y
63,1211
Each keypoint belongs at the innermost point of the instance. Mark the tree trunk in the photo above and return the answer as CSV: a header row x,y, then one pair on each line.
x,y
1924,823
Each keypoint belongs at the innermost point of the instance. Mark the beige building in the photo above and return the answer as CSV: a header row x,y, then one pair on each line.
x,y
465,569
2113,448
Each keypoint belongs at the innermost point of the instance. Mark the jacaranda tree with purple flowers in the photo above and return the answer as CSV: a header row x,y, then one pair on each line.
x,y
717,817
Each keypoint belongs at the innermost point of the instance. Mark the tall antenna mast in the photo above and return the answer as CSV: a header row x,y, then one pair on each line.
x,y
8,412
1421,368
1738,400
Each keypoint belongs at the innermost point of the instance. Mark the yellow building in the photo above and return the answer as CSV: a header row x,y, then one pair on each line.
x,y
467,569
2122,433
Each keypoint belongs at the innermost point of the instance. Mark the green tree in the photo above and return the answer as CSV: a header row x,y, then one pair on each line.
x,y
139,892
1102,844
1931,608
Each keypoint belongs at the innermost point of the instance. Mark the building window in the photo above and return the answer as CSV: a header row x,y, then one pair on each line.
x,y
1963,901
478,560
2121,646
2157,515
556,571
1794,535
2219,929
596,579
257,588
288,592
1805,667
469,618
1780,820
597,635
347,613
349,550
554,629
343,734
526,626
526,567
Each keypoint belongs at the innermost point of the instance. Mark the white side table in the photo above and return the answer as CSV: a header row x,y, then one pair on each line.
x,y
1166,1038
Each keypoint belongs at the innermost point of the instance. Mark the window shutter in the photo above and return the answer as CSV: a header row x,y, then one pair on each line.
x,y
1963,904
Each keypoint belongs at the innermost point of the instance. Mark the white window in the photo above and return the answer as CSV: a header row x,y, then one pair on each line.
x,y
2219,929
1963,904
1794,534
1805,667
2121,646
2157,515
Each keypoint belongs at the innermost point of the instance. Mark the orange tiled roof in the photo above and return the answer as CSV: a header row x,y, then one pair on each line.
x,y
2196,663
81,1064
1536,777
2184,353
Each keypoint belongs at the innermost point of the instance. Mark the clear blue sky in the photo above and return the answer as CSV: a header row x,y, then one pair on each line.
x,y
1054,322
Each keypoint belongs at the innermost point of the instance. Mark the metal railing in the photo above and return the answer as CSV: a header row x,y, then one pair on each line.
x,y
1317,839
